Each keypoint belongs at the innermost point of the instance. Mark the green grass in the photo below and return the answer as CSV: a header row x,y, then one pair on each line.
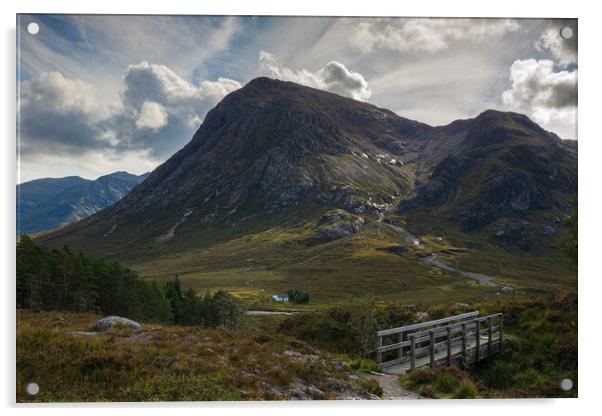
x,y
258,265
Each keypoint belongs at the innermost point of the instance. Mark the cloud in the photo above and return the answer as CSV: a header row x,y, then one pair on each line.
x,y
563,50
426,35
333,77
183,100
156,114
153,116
549,97
57,115
159,109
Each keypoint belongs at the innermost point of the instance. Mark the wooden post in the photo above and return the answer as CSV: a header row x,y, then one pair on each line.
x,y
379,354
464,354
490,336
501,327
400,350
412,352
432,348
478,340
449,346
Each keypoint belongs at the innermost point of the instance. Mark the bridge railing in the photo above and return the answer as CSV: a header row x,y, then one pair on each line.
x,y
429,338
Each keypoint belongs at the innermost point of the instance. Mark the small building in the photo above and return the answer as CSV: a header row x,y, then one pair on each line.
x,y
283,297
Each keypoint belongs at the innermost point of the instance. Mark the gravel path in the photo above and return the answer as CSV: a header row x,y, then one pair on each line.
x,y
435,260
391,388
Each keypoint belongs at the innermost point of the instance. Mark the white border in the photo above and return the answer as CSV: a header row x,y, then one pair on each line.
x,y
590,152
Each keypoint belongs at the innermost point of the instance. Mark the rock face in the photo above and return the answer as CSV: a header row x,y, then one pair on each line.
x,y
339,224
497,166
110,321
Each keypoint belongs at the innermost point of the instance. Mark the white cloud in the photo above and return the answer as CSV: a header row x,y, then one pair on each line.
x,y
549,97
158,83
426,35
53,90
333,77
153,116
563,50
178,108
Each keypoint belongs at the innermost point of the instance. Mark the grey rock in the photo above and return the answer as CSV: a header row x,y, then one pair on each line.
x,y
340,365
341,229
423,316
411,308
110,321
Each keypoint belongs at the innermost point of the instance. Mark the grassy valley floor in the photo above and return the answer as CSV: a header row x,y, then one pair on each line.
x,y
276,260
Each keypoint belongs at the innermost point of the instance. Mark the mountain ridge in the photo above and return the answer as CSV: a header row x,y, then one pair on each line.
x,y
48,203
307,171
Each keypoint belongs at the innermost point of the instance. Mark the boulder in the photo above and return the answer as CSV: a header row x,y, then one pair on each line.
x,y
110,321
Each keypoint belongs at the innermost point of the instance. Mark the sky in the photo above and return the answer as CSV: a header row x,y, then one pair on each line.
x,y
99,94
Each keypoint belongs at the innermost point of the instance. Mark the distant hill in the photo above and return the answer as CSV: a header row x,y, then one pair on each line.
x,y
48,203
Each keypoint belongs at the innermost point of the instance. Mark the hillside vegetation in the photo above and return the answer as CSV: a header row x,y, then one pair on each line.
x,y
57,351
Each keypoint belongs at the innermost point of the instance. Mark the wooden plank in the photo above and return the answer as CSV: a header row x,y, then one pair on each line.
x,y
469,324
501,336
449,347
464,341
478,342
490,336
440,358
412,353
379,344
432,349
429,323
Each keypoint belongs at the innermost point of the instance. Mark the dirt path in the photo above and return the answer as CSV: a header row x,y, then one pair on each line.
x,y
391,388
434,260
269,313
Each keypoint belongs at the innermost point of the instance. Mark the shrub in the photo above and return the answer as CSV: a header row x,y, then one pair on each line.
x,y
372,386
362,365
467,390
298,296
446,382
422,376
499,375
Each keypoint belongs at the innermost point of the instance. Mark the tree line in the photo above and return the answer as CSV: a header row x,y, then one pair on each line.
x,y
63,279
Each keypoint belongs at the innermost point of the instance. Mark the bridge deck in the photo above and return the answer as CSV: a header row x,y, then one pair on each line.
x,y
441,355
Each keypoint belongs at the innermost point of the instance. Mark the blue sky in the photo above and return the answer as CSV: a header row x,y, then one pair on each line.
x,y
104,93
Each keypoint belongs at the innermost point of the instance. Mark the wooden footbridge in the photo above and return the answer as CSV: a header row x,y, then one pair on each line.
x,y
467,338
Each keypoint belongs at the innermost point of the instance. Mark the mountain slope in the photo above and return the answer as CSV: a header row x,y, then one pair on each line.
x,y
270,146
497,170
51,202
288,186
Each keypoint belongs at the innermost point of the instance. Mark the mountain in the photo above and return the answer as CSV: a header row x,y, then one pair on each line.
x,y
52,202
495,171
289,185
